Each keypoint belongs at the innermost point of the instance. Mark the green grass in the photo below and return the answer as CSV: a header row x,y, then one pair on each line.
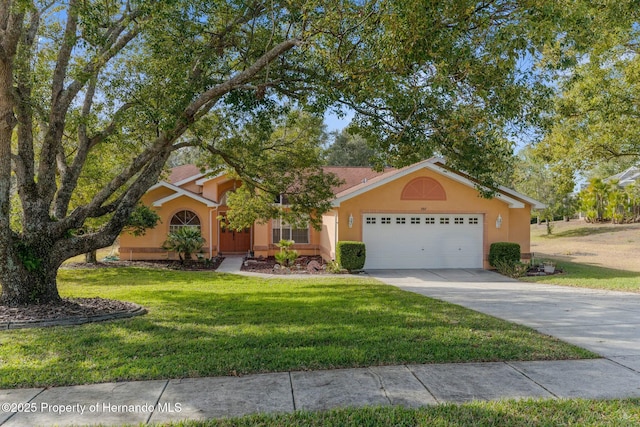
x,y
208,324
590,276
510,413
580,232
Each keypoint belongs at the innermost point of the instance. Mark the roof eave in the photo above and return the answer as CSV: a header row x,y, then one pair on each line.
x,y
177,193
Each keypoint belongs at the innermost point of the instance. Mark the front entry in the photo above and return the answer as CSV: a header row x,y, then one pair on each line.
x,y
232,241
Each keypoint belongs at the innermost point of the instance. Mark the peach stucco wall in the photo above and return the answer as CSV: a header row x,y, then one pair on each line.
x,y
460,198
149,246
213,189
328,235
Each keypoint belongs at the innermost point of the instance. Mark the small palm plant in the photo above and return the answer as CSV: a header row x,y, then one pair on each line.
x,y
185,241
287,256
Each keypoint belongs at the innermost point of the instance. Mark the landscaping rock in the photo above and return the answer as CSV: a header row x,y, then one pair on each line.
x,y
314,266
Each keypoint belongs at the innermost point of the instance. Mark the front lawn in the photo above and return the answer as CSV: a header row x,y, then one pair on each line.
x,y
590,276
208,324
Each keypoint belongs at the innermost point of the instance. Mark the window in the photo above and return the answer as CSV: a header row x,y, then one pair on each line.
x,y
371,220
281,199
458,220
283,231
184,218
473,220
444,221
429,220
415,220
385,220
400,220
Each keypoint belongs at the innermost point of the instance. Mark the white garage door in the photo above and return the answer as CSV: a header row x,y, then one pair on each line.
x,y
423,241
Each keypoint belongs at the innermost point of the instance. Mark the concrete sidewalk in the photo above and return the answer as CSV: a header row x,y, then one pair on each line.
x,y
409,385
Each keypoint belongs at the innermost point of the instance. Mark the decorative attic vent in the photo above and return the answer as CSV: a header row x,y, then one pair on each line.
x,y
423,188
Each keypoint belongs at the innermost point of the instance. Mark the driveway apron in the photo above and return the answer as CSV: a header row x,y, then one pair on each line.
x,y
605,322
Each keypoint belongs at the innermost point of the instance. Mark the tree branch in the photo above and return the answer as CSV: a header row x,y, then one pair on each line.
x,y
60,105
240,79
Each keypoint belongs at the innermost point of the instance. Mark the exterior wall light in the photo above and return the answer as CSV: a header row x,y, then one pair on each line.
x,y
350,221
499,221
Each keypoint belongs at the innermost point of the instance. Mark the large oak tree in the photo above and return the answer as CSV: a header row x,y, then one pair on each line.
x,y
595,128
105,90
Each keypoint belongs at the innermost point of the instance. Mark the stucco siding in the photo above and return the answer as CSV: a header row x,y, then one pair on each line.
x,y
328,236
149,245
460,198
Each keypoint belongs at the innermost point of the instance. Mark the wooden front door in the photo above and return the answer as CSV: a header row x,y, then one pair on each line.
x,y
232,241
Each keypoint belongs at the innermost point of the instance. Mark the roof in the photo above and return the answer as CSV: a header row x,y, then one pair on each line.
x,y
511,197
180,173
352,176
626,177
178,192
356,180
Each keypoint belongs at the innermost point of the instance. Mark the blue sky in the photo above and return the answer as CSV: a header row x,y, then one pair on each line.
x,y
334,122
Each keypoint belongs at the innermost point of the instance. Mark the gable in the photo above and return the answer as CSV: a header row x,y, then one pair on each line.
x,y
436,172
422,190
176,192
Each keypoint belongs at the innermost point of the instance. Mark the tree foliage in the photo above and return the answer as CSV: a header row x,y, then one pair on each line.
x,y
348,149
109,89
552,186
606,201
278,159
596,116
141,219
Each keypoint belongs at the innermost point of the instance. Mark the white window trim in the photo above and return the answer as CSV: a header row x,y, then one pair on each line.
x,y
275,225
174,227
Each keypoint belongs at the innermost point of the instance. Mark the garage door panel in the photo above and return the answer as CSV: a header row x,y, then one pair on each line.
x,y
423,241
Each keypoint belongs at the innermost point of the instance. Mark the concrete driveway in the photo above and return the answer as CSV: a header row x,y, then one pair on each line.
x,y
605,322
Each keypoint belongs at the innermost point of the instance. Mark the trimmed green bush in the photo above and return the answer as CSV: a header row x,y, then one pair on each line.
x,y
351,255
504,253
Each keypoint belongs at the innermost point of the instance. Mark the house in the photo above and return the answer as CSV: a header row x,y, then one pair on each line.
x,y
626,177
421,216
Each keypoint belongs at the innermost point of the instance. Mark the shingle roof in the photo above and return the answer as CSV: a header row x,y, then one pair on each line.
x,y
182,172
352,176
359,179
626,177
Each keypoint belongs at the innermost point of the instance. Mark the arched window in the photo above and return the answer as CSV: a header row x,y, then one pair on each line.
x,y
184,218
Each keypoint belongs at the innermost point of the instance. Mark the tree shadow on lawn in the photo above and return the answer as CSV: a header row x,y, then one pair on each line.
x,y
584,231
142,277
242,333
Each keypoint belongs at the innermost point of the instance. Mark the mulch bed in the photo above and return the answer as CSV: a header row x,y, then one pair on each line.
x,y
303,265
538,270
69,311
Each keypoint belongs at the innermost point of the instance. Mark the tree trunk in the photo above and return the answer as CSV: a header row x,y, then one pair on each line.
x,y
32,285
91,257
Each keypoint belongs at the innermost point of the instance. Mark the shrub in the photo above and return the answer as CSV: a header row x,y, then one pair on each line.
x,y
504,252
351,255
514,270
185,241
287,256
334,267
